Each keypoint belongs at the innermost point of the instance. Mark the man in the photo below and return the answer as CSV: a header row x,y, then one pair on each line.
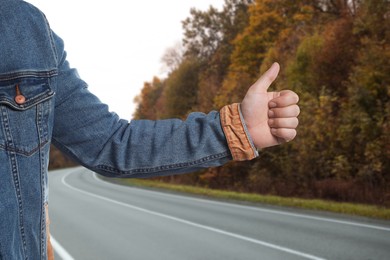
x,y
43,101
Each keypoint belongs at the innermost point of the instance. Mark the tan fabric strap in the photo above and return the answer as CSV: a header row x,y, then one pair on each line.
x,y
239,141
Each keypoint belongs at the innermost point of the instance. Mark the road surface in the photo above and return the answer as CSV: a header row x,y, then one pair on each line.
x,y
94,219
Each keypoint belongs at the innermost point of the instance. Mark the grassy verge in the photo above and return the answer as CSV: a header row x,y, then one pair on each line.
x,y
312,204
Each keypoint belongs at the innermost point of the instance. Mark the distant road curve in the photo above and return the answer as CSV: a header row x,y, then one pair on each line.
x,y
94,219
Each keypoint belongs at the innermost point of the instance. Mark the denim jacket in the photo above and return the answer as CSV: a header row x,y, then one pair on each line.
x,y
43,101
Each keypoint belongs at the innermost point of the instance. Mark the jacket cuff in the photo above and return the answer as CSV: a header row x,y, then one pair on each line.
x,y
238,138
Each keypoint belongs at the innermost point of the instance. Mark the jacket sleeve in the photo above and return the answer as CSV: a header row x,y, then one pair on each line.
x,y
99,140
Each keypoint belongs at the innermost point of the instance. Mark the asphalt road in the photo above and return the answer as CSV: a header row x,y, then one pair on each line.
x,y
93,219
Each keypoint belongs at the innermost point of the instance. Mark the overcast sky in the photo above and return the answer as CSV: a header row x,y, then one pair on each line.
x,y
117,45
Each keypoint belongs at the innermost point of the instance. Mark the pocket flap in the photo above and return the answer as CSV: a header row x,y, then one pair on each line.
x,y
34,92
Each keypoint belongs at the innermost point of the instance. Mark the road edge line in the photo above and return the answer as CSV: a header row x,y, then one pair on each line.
x,y
190,223
60,250
271,211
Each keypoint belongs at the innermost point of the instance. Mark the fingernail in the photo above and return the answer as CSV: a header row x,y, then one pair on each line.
x,y
273,66
271,113
271,122
272,104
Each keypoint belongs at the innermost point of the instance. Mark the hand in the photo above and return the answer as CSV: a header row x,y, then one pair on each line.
x,y
270,117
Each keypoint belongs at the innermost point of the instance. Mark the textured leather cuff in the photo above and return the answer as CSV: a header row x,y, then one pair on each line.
x,y
239,141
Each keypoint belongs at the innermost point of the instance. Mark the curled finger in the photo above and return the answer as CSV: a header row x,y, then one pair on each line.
x,y
284,98
283,112
285,134
291,122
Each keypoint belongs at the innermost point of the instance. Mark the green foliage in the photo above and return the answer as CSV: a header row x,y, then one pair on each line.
x,y
335,54
181,88
301,70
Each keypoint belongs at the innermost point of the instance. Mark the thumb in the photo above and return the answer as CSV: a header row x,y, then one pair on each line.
x,y
263,83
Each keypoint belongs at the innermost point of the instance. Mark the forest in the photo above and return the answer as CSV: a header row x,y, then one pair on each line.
x,y
334,53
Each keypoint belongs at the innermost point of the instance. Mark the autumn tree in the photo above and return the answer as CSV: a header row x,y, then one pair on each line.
x,y
208,36
149,101
249,50
334,53
173,57
365,129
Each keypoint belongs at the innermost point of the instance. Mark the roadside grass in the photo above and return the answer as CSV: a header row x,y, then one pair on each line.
x,y
311,204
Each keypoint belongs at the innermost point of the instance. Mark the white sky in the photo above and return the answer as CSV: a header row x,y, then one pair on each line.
x,y
117,45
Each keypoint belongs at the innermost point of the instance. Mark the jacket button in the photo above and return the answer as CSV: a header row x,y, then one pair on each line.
x,y
20,99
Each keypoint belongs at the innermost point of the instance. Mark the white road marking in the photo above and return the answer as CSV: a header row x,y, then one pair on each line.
x,y
60,250
261,209
219,231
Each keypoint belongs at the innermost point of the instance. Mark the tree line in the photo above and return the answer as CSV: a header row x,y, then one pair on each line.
x,y
334,53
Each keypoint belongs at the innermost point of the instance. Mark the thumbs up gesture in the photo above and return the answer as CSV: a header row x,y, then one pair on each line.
x,y
270,117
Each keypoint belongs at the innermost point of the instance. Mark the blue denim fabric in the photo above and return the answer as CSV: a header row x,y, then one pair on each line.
x,y
58,108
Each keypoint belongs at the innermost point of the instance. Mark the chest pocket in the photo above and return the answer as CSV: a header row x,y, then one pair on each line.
x,y
25,112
